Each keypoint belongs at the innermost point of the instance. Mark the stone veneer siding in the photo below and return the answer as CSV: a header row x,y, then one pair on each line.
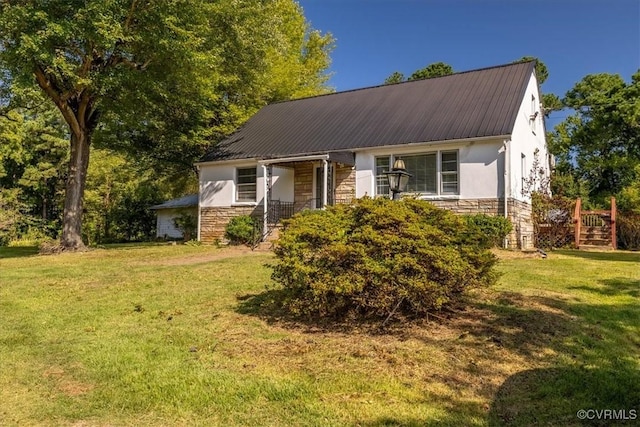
x,y
213,220
521,236
302,185
345,183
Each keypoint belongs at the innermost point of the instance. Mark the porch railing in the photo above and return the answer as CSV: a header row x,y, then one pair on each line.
x,y
279,210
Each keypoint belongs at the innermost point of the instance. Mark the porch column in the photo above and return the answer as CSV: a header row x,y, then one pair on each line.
x,y
265,201
325,182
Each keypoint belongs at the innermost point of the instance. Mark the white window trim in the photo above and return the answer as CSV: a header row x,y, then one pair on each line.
x,y
237,202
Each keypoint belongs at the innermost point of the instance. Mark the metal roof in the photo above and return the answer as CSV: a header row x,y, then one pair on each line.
x,y
183,202
472,104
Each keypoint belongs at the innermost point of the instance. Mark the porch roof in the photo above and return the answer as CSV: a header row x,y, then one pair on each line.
x,y
344,157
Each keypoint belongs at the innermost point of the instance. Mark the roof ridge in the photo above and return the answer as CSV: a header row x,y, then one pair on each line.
x,y
404,82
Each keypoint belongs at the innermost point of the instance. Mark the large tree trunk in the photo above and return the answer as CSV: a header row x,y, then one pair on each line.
x,y
74,194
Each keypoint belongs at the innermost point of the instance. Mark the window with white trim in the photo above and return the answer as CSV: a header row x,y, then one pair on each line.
x,y
432,173
246,184
449,172
382,181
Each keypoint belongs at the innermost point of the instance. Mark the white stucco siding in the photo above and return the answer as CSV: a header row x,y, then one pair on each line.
x,y
528,135
218,184
282,186
165,227
480,173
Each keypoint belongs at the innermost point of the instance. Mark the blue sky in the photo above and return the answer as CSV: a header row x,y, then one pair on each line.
x,y
572,37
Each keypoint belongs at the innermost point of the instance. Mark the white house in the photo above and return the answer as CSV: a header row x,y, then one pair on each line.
x,y
469,140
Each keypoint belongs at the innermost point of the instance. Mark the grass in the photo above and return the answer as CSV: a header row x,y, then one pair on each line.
x,y
174,335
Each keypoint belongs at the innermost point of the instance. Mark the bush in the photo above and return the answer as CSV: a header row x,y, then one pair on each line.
x,y
628,230
492,229
241,230
378,256
187,223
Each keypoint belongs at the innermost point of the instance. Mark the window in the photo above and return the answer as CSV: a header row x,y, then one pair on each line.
x,y
246,185
427,176
533,117
449,168
423,168
382,182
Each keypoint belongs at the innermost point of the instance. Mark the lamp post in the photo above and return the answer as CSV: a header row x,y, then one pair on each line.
x,y
398,178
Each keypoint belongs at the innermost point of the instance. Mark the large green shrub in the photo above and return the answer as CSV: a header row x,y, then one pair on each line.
x,y
492,230
378,256
241,230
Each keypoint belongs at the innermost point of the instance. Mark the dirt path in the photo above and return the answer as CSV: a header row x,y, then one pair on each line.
x,y
221,253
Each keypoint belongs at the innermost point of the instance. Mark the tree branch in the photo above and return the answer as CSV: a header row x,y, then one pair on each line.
x,y
129,19
47,87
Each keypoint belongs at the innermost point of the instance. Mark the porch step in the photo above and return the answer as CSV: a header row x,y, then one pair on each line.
x,y
273,235
595,242
596,247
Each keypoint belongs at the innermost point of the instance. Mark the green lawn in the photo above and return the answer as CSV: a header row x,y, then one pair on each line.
x,y
173,335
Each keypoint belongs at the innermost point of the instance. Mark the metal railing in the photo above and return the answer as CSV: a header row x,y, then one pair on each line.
x,y
278,210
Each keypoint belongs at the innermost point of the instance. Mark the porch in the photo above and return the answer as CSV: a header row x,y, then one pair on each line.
x,y
311,182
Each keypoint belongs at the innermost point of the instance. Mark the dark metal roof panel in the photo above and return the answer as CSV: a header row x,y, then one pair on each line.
x,y
182,202
471,104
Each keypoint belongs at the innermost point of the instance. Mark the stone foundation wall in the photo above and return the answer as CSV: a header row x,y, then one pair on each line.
x,y
521,236
345,183
303,185
214,220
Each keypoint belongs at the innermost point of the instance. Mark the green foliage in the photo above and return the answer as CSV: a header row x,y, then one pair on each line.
x,y
379,255
395,77
437,69
491,229
163,80
33,155
187,223
17,227
542,73
599,145
628,230
118,196
241,230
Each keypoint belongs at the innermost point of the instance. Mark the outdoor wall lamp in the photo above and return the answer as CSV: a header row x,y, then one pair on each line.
x,y
398,178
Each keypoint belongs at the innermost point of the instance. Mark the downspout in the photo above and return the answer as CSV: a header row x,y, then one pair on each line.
x,y
507,184
199,192
265,207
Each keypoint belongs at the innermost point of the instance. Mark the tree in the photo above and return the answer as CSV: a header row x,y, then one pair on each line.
x,y
550,101
166,76
600,143
437,69
395,77
33,151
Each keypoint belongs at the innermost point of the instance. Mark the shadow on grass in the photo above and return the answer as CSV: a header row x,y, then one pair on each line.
x,y
270,307
18,252
603,256
616,286
554,396
580,355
